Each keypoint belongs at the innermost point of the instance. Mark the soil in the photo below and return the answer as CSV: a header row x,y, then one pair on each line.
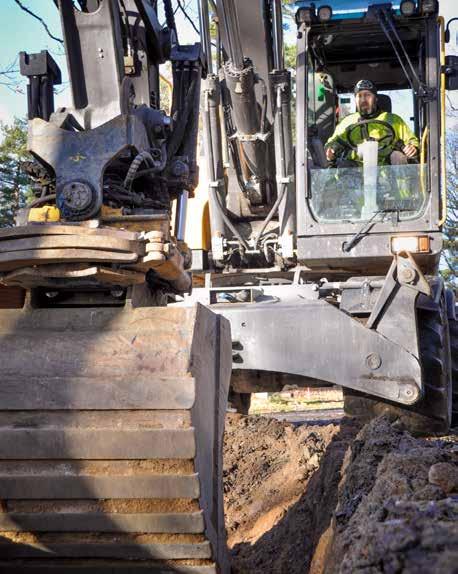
x,y
339,499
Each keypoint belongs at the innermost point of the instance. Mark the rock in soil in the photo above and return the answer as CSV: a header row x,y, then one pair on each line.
x,y
444,475
338,499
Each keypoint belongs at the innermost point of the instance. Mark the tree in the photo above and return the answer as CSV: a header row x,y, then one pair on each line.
x,y
290,56
450,255
14,185
289,11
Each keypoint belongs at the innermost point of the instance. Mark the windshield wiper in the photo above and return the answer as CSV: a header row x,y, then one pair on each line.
x,y
365,228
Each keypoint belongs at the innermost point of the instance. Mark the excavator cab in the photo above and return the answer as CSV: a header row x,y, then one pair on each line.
x,y
363,200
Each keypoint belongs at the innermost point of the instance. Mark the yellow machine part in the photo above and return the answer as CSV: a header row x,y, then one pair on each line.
x,y
198,234
111,435
45,214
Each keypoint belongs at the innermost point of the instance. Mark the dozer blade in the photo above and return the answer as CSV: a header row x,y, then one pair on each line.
x,y
111,429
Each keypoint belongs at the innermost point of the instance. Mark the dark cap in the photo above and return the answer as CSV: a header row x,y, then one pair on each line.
x,y
363,85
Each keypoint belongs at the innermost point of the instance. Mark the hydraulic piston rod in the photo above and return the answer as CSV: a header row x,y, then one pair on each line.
x,y
228,14
241,81
280,80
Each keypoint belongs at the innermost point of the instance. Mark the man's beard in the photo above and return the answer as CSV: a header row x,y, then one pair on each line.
x,y
367,111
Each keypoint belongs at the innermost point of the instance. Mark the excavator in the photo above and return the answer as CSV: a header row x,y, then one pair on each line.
x,y
122,338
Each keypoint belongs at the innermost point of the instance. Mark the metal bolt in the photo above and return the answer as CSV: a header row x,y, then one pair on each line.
x,y
179,169
117,293
77,195
407,274
373,361
52,294
410,392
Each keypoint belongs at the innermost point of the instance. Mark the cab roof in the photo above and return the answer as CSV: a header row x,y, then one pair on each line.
x,y
346,9
356,48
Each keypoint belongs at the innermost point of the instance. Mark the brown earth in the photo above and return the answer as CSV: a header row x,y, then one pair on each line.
x,y
338,499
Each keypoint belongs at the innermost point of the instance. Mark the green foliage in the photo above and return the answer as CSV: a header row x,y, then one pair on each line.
x,y
165,88
290,64
289,9
290,56
14,185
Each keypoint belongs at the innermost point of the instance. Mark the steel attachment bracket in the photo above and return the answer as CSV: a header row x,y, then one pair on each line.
x,y
396,304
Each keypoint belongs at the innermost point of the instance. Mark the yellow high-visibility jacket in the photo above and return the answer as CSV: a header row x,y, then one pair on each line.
x,y
403,134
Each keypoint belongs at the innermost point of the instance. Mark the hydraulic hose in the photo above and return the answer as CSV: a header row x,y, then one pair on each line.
x,y
177,135
170,17
272,212
213,151
40,200
147,158
282,157
226,219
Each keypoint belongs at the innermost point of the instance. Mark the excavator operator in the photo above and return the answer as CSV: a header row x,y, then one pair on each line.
x,y
397,143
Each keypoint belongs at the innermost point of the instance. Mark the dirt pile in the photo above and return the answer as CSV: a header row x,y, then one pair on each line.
x,y
276,476
398,506
335,499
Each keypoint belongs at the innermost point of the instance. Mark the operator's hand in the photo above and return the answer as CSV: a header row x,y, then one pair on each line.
x,y
410,151
330,154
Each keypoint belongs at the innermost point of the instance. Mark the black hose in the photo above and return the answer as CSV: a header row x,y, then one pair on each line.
x,y
124,197
226,219
149,171
272,212
281,195
189,144
219,60
146,157
237,165
170,17
40,200
181,123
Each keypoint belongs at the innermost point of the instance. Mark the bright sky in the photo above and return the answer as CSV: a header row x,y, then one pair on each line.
x,y
20,32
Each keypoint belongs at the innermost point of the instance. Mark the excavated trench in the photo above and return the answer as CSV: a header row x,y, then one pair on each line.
x,y
339,498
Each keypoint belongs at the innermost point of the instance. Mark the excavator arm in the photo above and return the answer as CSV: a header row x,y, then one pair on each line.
x,y
256,213
114,157
112,404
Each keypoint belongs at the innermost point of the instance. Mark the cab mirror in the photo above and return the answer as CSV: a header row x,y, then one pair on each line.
x,y
451,72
